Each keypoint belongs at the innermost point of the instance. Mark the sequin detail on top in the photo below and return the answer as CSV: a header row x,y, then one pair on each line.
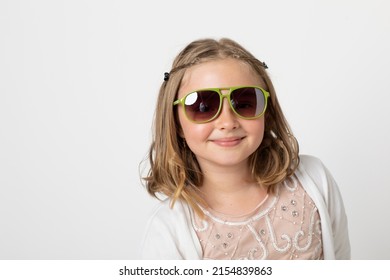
x,y
285,226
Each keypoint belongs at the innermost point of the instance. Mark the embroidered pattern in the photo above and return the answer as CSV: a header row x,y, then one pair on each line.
x,y
285,226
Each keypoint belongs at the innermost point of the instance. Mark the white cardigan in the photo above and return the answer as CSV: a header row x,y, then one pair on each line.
x,y
169,233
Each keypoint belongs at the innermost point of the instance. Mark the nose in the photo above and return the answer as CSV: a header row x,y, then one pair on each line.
x,y
226,119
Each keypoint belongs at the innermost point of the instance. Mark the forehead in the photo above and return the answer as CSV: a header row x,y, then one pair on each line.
x,y
219,73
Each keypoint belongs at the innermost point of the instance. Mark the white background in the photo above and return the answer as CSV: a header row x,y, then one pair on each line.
x,y
78,84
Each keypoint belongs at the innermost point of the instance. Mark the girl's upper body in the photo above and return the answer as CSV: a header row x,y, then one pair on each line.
x,y
224,155
174,233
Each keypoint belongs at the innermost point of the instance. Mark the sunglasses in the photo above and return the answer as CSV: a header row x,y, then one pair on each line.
x,y
204,105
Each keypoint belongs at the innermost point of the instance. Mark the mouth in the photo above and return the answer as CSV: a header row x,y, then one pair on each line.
x,y
228,142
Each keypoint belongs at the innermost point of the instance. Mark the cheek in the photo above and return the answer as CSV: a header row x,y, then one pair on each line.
x,y
257,130
193,132
261,126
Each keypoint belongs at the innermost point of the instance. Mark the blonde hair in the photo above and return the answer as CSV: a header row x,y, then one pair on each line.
x,y
174,170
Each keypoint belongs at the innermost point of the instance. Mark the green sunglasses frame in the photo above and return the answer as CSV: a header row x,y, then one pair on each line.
x,y
221,97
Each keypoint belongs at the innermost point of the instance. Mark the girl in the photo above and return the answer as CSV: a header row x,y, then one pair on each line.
x,y
228,164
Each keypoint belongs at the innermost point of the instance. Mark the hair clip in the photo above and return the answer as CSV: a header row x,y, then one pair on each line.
x,y
166,76
264,65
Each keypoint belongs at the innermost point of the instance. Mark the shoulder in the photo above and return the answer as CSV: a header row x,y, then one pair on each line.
x,y
312,167
315,176
165,211
167,218
169,233
310,163
319,183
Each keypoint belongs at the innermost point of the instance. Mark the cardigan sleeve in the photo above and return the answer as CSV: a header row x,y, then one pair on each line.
x,y
338,218
331,196
159,237
169,234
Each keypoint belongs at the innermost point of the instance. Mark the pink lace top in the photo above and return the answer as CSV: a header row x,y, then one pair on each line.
x,y
285,225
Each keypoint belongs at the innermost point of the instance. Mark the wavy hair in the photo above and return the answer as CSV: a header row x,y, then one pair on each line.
x,y
174,170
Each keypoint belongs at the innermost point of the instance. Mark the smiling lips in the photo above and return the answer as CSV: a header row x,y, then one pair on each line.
x,y
228,142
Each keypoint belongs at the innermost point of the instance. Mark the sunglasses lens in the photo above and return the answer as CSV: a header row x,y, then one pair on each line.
x,y
248,102
202,106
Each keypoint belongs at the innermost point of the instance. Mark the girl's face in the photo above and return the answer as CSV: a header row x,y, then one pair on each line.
x,y
228,140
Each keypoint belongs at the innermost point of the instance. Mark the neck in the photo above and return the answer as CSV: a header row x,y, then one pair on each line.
x,y
231,190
